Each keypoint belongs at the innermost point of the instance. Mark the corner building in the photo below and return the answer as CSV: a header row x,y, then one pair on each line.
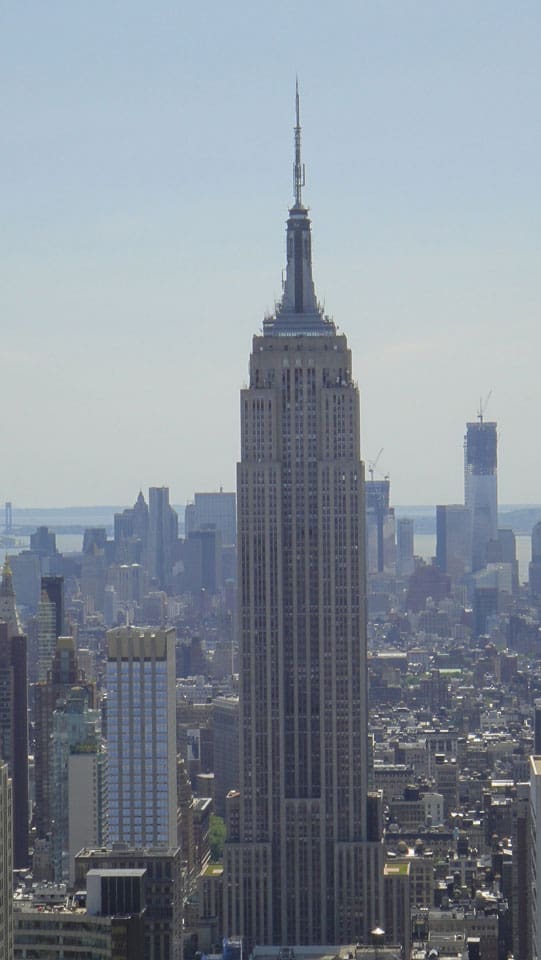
x,y
302,867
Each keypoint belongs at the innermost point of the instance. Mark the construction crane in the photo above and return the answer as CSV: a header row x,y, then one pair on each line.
x,y
483,406
372,464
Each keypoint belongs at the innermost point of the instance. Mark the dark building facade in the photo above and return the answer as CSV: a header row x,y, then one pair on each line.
x,y
14,734
53,588
162,891
13,713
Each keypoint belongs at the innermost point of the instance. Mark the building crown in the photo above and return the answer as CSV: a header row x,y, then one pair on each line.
x,y
298,313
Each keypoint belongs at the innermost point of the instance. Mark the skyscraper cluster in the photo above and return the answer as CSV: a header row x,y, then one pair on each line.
x,y
366,724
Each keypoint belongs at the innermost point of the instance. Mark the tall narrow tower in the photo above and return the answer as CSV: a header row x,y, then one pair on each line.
x,y
302,863
6,862
141,732
481,486
13,713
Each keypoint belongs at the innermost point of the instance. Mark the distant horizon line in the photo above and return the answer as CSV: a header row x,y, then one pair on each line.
x,y
502,507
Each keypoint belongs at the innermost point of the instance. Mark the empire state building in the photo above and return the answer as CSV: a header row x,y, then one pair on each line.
x,y
303,860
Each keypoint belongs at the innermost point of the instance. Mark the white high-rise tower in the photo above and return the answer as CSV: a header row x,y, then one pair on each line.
x,y
141,735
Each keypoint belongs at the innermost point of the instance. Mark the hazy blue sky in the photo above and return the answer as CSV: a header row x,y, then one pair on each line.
x,y
145,162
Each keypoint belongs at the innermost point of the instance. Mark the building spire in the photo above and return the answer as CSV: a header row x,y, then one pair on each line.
x,y
298,312
299,178
8,608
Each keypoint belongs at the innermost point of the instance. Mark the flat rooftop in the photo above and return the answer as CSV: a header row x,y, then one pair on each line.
x,y
536,765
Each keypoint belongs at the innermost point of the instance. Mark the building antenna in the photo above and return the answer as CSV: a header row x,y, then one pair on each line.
x,y
299,178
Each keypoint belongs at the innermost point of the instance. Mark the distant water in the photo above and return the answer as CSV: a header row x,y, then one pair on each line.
x,y
425,543
425,547
69,542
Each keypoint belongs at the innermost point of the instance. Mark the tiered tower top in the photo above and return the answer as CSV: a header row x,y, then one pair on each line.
x,y
298,313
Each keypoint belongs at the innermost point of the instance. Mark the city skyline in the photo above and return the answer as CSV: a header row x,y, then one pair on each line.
x,y
357,697
141,160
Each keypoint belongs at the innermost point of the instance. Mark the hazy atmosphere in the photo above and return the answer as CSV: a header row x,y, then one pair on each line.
x,y
146,160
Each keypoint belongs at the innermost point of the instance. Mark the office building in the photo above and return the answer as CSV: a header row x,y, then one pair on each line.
x,y
213,510
63,675
481,486
43,542
50,622
202,558
13,713
14,734
87,799
78,781
162,891
521,886
405,562
302,866
397,887
485,606
534,570
45,932
162,536
537,727
53,588
225,726
6,863
8,605
94,568
185,821
141,735
128,580
380,527
453,539
26,569
502,555
131,533
535,835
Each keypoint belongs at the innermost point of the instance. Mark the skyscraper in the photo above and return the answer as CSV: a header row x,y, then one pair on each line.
x,y
481,486
303,866
63,676
213,510
453,539
13,713
405,542
131,533
141,733
77,783
534,570
6,864
162,535
380,527
50,622
535,835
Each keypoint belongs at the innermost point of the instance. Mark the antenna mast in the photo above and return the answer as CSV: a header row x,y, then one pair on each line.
x,y
299,178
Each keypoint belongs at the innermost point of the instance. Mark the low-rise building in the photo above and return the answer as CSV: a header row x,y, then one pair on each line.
x,y
162,891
